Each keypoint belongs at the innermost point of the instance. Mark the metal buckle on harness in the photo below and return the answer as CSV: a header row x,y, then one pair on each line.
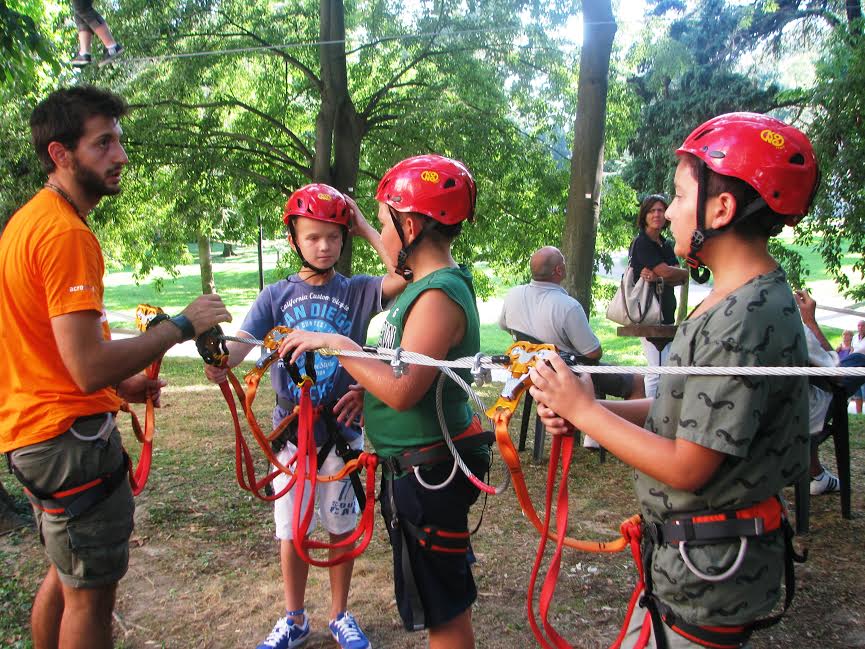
x,y
390,464
729,572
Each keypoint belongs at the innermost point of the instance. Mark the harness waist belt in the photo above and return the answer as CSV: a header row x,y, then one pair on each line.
x,y
758,519
77,500
472,437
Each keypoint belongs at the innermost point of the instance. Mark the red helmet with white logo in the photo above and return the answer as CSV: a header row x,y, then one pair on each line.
x,y
317,201
438,187
776,159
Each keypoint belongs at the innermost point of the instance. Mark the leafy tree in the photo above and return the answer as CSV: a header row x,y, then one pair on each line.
x,y
27,67
475,84
838,134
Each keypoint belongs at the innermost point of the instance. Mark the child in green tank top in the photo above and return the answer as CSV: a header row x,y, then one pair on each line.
x,y
422,204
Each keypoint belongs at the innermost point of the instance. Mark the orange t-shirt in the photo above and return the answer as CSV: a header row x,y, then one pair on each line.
x,y
50,264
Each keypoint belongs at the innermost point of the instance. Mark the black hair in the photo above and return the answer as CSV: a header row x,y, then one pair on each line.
x,y
62,115
761,223
648,203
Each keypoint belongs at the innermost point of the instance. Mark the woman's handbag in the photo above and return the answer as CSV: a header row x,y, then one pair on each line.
x,y
636,303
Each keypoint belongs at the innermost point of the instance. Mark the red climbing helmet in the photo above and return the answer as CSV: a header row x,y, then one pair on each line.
x,y
438,187
776,159
317,201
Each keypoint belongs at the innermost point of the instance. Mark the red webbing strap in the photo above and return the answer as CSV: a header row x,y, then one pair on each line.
x,y
549,587
512,459
139,475
306,472
243,460
244,466
632,531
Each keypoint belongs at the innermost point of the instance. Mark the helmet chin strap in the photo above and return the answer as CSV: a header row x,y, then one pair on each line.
x,y
401,268
304,263
700,273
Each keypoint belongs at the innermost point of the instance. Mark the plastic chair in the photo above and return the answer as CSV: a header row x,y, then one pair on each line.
x,y
837,425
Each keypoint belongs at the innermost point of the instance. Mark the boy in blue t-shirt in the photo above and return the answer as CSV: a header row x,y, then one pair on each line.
x,y
317,298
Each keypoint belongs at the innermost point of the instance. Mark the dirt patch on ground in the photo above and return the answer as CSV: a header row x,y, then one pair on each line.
x,y
204,569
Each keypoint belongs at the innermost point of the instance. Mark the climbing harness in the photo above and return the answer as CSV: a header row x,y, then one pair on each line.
x,y
304,474
742,525
77,500
761,519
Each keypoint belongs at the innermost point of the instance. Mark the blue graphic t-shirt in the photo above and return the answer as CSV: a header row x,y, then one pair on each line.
x,y
344,305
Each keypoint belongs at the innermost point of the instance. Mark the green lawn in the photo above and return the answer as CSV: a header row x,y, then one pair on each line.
x,y
236,281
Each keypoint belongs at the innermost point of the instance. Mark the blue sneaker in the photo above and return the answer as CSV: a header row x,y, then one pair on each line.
x,y
347,633
286,635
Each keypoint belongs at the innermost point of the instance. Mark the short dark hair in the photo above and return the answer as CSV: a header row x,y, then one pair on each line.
x,y
647,204
763,223
61,117
435,230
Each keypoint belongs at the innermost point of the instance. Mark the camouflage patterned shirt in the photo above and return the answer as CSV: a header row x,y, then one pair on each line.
x,y
760,423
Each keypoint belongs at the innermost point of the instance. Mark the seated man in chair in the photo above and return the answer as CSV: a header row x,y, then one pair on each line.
x,y
821,354
543,310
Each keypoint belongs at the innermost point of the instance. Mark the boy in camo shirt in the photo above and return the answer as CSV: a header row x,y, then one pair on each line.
x,y
715,444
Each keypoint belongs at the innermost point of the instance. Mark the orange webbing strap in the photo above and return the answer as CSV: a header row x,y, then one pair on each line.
x,y
512,460
243,461
307,468
562,449
244,465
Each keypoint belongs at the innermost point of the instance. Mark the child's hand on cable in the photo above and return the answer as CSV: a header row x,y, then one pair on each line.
x,y
298,342
560,390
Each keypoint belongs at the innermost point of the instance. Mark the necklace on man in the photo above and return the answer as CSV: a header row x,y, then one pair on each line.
x,y
62,193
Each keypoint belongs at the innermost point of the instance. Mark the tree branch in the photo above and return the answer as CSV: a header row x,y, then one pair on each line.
x,y
307,72
235,103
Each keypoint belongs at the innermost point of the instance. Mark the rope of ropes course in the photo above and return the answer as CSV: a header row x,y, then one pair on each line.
x,y
344,41
396,356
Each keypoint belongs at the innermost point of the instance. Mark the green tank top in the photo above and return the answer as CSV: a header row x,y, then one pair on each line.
x,y
391,432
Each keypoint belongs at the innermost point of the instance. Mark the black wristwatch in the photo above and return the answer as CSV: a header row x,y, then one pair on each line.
x,y
180,321
187,331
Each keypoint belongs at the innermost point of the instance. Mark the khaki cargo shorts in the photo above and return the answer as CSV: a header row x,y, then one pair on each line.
x,y
92,549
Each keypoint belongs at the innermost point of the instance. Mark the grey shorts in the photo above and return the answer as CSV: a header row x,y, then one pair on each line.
x,y
92,549
86,17
613,385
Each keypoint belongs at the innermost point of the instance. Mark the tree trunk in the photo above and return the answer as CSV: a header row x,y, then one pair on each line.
x,y
587,156
9,518
339,128
228,250
854,12
206,263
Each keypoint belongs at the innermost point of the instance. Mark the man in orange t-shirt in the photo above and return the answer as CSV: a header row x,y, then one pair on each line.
x,y
65,377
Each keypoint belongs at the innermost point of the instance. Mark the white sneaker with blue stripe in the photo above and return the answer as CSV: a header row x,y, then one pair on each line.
x,y
347,633
287,635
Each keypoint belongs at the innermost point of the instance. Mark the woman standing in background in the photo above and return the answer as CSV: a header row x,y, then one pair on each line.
x,y
653,259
